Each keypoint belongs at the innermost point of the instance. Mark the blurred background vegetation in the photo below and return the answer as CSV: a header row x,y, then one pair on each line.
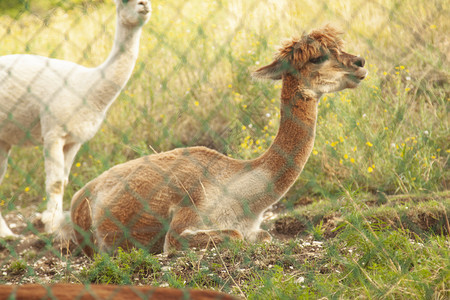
x,y
14,8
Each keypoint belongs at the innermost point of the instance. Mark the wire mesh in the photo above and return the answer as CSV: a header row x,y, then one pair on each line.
x,y
191,86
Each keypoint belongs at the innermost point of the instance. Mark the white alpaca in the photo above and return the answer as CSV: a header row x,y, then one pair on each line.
x,y
62,104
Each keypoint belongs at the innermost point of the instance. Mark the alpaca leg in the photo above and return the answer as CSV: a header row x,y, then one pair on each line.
x,y
54,184
70,151
4,229
181,236
260,236
201,238
5,149
4,153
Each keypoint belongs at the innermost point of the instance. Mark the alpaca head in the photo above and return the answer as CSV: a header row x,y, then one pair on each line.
x,y
133,13
317,62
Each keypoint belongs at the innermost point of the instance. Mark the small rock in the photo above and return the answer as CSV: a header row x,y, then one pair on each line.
x,y
299,280
166,268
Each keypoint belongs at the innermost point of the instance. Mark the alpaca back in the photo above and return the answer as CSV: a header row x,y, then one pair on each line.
x,y
39,93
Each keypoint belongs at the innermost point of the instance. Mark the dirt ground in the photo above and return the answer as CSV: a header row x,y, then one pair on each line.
x,y
48,261
51,261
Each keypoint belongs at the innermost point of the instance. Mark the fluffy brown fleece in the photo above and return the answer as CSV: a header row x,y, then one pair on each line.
x,y
193,196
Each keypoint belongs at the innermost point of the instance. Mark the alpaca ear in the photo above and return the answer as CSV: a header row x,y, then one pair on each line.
x,y
273,71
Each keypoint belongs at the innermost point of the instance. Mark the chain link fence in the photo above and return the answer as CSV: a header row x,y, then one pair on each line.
x,y
191,86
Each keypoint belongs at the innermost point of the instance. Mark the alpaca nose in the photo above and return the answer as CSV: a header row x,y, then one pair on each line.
x,y
143,2
359,62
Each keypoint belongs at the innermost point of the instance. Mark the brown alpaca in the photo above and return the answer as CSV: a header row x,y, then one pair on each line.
x,y
188,197
63,291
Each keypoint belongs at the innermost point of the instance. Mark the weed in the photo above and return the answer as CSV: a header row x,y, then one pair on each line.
x,y
30,255
122,268
17,267
318,231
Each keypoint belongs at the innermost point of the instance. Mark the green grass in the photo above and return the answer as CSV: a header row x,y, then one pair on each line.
x,y
360,261
17,267
369,254
379,171
121,269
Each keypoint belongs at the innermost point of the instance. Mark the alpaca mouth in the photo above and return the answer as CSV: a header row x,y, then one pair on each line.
x,y
357,76
144,10
360,74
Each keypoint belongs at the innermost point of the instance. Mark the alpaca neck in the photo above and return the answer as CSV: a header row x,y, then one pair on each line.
x,y
114,73
287,155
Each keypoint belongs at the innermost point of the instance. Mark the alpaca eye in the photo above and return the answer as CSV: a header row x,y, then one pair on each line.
x,y
319,60
124,1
